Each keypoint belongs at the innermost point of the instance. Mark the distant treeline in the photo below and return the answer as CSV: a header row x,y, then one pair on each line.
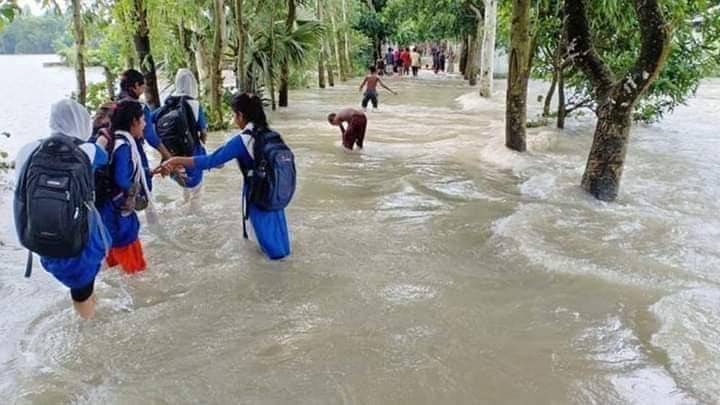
x,y
29,34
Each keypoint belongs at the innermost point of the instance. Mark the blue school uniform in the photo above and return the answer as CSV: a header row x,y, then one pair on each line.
x,y
79,271
124,229
270,227
195,174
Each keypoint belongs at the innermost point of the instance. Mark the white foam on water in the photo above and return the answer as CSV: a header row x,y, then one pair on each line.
x,y
403,294
624,366
472,102
690,335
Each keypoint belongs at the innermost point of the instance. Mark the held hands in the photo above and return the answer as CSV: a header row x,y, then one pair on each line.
x,y
170,166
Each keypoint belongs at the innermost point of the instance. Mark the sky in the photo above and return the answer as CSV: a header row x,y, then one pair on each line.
x,y
34,5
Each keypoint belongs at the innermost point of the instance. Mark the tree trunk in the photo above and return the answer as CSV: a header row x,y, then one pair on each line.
x,y
464,56
516,110
329,62
216,64
141,38
79,52
616,99
346,44
561,99
487,68
185,37
270,80
321,53
474,53
338,52
240,75
550,93
109,82
470,67
285,67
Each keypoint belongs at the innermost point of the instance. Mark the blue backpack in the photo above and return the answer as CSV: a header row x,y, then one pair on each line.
x,y
272,179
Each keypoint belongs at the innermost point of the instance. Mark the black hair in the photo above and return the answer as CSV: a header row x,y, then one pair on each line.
x,y
126,111
331,117
251,107
373,69
103,112
130,78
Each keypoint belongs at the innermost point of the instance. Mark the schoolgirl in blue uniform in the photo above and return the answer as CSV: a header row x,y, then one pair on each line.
x,y
69,118
130,189
132,87
186,86
270,227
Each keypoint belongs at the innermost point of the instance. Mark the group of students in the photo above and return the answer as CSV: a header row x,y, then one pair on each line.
x,y
402,61
79,190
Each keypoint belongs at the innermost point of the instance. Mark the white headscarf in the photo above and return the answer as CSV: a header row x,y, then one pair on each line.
x,y
185,84
69,118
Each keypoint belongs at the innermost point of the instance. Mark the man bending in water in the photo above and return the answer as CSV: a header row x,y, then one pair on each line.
x,y
356,125
372,81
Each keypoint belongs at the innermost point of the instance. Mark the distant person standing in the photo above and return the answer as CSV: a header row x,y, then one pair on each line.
x,y
354,133
397,62
451,61
415,62
389,60
434,54
407,61
441,59
371,81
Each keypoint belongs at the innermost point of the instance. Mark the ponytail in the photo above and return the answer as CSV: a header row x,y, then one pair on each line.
x,y
251,107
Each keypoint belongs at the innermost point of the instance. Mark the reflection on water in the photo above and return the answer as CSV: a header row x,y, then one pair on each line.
x,y
435,266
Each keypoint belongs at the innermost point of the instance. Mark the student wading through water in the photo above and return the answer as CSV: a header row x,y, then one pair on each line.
x,y
356,123
371,81
128,188
54,208
181,125
268,169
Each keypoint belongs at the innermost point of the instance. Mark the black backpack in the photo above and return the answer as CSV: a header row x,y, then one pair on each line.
x,y
104,184
176,126
53,199
272,179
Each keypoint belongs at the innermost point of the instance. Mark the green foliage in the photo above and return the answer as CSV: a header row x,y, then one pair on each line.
x,y
96,96
695,52
34,35
8,11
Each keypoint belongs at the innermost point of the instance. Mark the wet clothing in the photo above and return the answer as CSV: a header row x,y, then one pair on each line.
x,y
270,227
130,258
187,86
355,132
370,96
195,175
123,224
78,271
82,294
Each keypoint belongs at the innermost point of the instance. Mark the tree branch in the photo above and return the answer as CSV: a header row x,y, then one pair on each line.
x,y
480,14
655,35
581,49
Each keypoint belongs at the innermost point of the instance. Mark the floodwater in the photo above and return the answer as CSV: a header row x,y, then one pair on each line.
x,y
433,267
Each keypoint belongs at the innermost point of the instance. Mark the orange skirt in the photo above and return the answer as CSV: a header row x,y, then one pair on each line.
x,y
130,258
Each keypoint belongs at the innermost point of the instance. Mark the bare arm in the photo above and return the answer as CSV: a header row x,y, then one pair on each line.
x,y
164,152
363,84
386,87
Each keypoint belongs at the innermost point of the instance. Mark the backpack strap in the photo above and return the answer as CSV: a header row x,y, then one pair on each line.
x,y
29,264
247,174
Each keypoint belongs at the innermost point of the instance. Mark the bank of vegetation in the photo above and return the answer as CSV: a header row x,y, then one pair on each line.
x,y
623,61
